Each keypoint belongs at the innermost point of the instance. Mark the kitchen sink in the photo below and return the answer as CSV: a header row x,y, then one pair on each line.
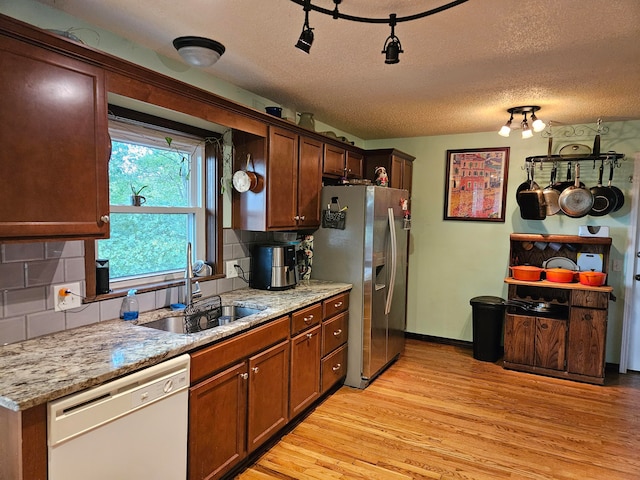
x,y
200,321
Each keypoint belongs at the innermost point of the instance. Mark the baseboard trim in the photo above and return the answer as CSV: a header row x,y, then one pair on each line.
x,y
443,340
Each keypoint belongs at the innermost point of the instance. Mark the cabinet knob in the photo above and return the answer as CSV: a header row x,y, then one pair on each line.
x,y
337,333
302,218
296,218
336,367
255,369
105,219
337,305
308,319
244,376
309,336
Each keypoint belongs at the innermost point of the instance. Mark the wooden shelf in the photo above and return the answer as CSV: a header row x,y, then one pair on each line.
x,y
537,237
564,286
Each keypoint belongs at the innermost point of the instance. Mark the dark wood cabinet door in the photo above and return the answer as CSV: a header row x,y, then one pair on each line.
x,y
282,181
304,385
268,394
333,161
55,145
587,341
395,175
551,341
519,339
407,175
354,164
217,423
309,182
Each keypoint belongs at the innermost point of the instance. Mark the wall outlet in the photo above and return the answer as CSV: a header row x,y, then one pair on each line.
x,y
231,270
66,296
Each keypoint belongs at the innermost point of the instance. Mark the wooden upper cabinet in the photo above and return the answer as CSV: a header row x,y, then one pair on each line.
x,y
309,182
354,164
55,145
282,179
334,158
399,166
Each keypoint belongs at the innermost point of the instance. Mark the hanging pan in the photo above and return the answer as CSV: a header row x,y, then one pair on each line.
x,y
604,198
244,180
531,201
616,190
551,193
576,201
528,184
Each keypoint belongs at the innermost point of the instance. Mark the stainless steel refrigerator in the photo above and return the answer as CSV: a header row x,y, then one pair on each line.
x,y
370,253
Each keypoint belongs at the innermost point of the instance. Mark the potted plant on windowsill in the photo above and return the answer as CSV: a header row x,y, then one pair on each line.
x,y
137,200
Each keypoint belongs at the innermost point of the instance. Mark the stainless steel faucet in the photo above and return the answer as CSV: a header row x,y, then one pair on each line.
x,y
188,292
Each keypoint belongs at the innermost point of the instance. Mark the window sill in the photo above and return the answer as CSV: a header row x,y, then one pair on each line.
x,y
151,287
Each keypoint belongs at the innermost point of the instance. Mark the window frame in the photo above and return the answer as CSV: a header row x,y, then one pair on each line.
x,y
211,211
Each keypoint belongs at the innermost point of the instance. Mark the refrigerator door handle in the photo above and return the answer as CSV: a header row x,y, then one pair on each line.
x,y
394,250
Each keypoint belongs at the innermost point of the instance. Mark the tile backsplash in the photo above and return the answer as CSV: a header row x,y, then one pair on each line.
x,y
28,270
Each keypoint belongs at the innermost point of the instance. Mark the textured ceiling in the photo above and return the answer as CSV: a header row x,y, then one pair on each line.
x,y
462,68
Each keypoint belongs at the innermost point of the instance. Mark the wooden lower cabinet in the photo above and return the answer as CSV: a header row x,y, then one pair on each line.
x,y
305,370
587,339
535,341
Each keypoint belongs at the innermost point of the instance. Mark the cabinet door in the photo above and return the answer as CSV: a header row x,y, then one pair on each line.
x,y
587,337
519,338
551,340
395,176
304,386
282,181
333,161
407,175
268,394
354,164
55,145
309,182
217,423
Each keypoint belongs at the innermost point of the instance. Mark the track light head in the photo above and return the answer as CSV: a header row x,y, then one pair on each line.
x,y
392,47
506,128
537,124
306,40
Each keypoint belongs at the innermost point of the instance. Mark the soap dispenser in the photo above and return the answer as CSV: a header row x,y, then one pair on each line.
x,y
129,308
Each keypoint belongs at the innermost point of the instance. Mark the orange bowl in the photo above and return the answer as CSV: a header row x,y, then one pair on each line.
x,y
560,275
593,279
527,273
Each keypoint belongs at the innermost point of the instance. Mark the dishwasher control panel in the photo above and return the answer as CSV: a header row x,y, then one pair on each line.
x,y
154,391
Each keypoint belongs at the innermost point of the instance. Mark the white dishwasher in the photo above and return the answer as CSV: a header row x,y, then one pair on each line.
x,y
134,427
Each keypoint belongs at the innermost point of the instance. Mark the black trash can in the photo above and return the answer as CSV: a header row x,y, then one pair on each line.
x,y
488,315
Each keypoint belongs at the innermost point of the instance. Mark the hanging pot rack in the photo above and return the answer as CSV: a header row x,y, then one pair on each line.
x,y
606,157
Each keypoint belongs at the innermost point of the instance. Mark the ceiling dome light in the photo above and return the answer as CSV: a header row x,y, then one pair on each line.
x,y
199,51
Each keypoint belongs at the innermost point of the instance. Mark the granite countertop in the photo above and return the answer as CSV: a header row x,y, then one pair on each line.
x,y
45,368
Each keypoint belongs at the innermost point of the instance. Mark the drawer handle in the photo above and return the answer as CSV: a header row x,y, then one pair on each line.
x,y
244,376
255,369
337,305
336,367
337,333
308,319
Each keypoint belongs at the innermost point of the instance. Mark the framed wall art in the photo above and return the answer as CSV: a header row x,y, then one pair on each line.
x,y
476,184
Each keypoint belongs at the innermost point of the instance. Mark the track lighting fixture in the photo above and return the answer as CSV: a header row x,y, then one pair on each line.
x,y
199,51
537,125
306,37
392,47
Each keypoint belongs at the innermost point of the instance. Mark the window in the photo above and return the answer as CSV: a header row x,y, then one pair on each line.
x,y
148,243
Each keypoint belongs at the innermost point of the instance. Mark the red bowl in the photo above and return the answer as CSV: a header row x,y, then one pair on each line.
x,y
527,273
593,279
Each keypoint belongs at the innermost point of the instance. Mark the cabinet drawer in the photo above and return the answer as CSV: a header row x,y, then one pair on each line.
x,y
334,368
334,333
335,305
589,298
211,359
305,318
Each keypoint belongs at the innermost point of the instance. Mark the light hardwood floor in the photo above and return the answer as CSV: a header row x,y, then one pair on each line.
x,y
439,414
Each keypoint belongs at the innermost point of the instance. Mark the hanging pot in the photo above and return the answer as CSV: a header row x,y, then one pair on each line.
x,y
244,180
576,201
531,201
551,194
616,190
604,198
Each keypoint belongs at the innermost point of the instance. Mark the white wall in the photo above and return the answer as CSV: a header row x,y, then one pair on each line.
x,y
454,261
